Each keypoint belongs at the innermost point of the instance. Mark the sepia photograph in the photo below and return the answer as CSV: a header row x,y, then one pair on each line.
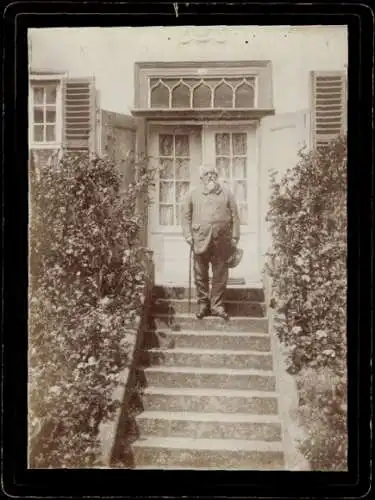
x,y
188,248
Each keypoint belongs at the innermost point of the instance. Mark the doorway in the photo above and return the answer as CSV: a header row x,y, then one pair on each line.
x,y
179,151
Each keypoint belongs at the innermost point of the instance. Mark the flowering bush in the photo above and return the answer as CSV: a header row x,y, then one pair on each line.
x,y
87,276
307,265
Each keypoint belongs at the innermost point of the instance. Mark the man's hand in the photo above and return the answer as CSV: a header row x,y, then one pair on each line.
x,y
189,240
234,242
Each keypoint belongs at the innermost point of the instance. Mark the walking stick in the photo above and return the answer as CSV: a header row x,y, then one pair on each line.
x,y
190,258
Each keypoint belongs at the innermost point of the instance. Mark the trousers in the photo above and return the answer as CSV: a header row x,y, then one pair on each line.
x,y
216,254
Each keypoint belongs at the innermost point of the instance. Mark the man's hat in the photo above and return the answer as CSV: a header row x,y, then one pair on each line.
x,y
235,258
206,168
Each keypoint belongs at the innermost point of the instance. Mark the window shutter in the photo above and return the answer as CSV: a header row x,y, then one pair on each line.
x,y
328,106
118,140
79,114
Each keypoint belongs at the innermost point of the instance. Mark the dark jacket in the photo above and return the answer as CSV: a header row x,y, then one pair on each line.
x,y
209,215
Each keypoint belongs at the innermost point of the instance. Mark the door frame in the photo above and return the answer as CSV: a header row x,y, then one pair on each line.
x,y
250,240
157,128
254,280
240,128
159,236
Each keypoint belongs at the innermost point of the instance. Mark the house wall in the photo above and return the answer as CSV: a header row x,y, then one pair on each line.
x,y
109,54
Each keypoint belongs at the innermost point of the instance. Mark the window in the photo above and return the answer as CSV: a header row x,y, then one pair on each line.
x,y
45,113
231,159
202,93
241,88
174,182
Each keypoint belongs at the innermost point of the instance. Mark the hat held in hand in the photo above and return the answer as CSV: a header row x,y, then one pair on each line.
x,y
235,257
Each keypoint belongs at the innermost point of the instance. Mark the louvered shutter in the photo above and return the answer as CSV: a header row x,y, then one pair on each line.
x,y
123,139
79,114
118,140
328,106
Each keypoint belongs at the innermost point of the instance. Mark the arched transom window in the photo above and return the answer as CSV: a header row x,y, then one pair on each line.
x,y
202,93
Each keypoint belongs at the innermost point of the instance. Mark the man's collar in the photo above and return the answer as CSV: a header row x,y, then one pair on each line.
x,y
217,190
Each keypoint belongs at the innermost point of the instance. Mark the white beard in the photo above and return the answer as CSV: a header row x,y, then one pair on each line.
x,y
211,186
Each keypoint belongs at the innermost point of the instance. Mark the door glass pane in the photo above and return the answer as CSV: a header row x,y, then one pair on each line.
x,y
166,168
222,144
223,97
234,81
239,188
50,95
239,144
38,115
202,97
181,190
166,192
181,96
38,133
171,82
165,145
38,95
243,213
212,82
174,179
182,145
178,214
231,162
222,165
50,133
239,168
191,82
226,183
160,96
51,115
166,215
244,96
182,168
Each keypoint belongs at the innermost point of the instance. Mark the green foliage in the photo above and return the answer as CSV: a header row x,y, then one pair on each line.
x,y
323,411
307,216
87,277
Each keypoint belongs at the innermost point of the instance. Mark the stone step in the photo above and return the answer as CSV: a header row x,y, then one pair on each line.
x,y
233,307
210,425
208,453
210,339
187,399
124,465
219,358
237,293
190,322
224,378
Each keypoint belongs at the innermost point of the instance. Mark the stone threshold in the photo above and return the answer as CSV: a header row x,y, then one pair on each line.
x,y
185,284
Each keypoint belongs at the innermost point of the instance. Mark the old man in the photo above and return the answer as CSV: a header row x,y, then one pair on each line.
x,y
210,224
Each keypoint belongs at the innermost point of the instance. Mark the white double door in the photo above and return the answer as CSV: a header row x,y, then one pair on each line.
x,y
179,150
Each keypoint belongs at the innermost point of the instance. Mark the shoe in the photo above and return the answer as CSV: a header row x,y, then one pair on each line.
x,y
204,310
220,313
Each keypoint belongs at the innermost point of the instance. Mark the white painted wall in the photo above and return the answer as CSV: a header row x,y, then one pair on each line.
x,y
109,55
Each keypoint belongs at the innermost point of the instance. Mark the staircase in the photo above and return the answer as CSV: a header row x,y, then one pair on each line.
x,y
208,397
